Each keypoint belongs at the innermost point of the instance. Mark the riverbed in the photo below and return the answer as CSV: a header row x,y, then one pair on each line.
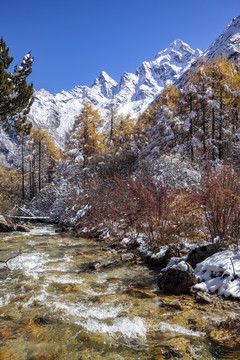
x,y
52,306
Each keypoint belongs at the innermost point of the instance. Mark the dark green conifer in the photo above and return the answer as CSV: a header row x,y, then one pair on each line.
x,y
16,96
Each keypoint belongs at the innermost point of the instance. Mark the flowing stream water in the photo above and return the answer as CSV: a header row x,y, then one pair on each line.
x,y
51,307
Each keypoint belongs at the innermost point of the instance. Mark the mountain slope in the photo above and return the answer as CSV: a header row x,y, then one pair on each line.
x,y
132,94
228,43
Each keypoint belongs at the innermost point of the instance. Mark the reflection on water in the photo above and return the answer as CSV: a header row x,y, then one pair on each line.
x,y
50,308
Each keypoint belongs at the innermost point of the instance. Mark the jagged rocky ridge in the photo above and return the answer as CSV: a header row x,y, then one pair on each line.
x,y
132,94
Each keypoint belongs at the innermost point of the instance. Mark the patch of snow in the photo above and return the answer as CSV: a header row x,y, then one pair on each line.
x,y
177,263
220,274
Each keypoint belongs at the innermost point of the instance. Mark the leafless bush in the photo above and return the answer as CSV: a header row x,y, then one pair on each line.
x,y
220,199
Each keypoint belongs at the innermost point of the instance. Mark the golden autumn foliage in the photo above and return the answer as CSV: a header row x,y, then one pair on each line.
x,y
9,187
169,97
85,138
50,151
203,116
124,133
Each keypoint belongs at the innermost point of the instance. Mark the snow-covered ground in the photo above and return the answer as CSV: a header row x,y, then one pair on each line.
x,y
220,274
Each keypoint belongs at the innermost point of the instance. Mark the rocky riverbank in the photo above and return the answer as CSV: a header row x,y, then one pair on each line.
x,y
7,226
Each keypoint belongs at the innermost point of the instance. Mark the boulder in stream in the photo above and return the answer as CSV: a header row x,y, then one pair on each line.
x,y
22,228
177,279
162,259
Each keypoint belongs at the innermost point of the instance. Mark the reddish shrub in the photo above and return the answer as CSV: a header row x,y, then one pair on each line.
x,y
220,199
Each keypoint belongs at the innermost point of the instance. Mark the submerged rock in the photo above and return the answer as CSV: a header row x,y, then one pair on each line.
x,y
227,333
43,320
177,279
141,294
95,266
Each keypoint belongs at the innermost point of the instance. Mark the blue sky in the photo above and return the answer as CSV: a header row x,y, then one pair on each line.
x,y
72,41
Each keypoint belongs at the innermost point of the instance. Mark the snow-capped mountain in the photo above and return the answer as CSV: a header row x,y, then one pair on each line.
x,y
132,94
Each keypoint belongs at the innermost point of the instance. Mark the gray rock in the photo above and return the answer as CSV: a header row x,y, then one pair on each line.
x,y
202,298
161,262
201,253
127,257
177,279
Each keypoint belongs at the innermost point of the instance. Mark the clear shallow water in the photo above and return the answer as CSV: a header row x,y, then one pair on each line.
x,y
50,308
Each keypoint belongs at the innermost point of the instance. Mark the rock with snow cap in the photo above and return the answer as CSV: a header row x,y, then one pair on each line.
x,y
177,279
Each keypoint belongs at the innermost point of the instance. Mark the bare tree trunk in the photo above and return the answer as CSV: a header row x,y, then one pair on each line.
x,y
39,164
33,176
30,179
220,148
204,127
191,131
22,167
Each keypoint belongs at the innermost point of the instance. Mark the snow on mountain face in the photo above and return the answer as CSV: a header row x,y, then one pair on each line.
x,y
228,43
132,94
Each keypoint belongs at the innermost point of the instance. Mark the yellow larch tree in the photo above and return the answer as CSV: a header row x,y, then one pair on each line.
x,y
85,139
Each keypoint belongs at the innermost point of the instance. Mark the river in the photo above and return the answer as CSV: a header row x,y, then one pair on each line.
x,y
52,307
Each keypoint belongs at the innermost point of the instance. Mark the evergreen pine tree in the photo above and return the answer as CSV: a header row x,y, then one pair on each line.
x,y
16,96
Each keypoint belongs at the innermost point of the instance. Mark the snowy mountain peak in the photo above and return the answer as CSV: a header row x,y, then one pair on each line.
x,y
176,47
104,78
104,85
228,43
179,45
